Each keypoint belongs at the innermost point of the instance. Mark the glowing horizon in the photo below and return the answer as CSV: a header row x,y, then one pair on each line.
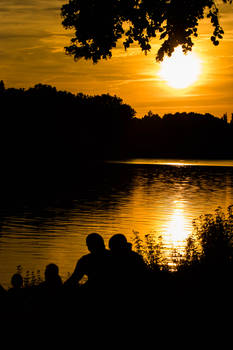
x,y
32,51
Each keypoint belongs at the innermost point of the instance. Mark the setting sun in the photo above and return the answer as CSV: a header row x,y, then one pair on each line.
x,y
180,70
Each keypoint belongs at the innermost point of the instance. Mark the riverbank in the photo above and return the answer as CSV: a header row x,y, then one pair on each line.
x,y
163,300
201,283
193,300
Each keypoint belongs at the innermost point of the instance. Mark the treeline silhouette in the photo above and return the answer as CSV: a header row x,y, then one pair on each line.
x,y
42,125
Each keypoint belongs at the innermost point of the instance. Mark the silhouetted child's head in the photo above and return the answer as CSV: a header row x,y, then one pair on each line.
x,y
51,272
95,243
52,277
17,281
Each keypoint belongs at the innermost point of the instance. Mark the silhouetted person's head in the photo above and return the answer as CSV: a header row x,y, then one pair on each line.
x,y
118,243
51,272
95,243
17,281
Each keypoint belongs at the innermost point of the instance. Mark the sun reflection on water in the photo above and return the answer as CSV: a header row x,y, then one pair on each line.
x,y
177,229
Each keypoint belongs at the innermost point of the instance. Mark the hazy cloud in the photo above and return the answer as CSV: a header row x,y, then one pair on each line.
x,y
32,42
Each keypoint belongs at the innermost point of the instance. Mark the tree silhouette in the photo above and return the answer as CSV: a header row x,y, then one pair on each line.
x,y
100,24
42,125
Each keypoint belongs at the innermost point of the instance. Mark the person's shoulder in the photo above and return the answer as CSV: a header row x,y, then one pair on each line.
x,y
3,291
107,252
85,259
137,256
133,253
108,255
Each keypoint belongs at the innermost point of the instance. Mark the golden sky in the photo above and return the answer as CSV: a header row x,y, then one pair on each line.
x,y
32,42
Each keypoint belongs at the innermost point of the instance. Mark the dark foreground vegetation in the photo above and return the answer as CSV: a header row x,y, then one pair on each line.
x,y
196,290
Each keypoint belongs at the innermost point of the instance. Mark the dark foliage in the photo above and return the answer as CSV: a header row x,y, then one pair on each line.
x,y
46,130
44,126
99,25
187,135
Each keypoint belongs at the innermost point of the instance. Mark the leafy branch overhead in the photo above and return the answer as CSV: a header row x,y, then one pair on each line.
x,y
100,24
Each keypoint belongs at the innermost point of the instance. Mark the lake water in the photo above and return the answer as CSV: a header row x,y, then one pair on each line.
x,y
160,197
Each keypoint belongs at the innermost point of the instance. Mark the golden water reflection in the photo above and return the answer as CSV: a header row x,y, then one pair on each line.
x,y
146,197
178,162
177,228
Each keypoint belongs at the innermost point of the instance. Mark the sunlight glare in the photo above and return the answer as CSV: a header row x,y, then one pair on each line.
x,y
180,70
177,227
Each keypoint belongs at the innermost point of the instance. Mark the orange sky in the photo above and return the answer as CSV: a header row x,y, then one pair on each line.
x,y
32,42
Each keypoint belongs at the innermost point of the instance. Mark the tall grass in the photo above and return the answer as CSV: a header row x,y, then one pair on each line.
x,y
211,242
30,278
210,245
152,251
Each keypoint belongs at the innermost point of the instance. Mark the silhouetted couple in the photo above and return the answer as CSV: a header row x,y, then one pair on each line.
x,y
115,269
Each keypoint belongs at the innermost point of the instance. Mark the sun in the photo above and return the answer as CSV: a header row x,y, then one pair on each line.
x,y
180,70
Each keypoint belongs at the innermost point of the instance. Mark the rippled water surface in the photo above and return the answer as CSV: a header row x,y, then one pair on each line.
x,y
161,197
